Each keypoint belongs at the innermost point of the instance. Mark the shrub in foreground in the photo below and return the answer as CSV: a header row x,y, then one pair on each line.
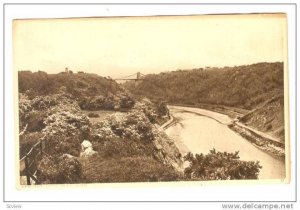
x,y
58,170
220,166
64,131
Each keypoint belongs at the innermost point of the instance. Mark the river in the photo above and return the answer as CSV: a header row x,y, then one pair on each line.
x,y
199,131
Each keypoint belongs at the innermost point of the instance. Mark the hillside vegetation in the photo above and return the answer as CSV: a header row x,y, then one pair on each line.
x,y
91,91
268,118
257,87
121,142
125,145
51,108
241,86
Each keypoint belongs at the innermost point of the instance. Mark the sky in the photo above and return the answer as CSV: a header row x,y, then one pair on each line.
x,y
118,47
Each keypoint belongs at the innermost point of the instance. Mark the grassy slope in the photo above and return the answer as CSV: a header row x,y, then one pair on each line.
x,y
126,169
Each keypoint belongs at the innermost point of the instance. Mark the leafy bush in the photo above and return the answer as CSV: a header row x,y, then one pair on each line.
x,y
220,166
101,131
24,109
162,109
133,125
45,102
97,103
35,121
65,130
109,102
148,109
60,143
58,170
126,102
33,112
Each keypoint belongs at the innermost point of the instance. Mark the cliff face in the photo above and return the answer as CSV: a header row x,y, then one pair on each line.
x,y
167,151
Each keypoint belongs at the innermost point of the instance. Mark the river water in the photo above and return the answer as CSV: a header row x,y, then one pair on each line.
x,y
199,131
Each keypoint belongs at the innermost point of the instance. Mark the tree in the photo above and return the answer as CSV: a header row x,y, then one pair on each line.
x,y
162,109
220,166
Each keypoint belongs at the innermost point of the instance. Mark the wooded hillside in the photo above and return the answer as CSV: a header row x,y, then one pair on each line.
x,y
91,91
256,89
241,86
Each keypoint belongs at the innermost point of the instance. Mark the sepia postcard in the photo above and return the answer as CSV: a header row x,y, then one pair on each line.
x,y
200,98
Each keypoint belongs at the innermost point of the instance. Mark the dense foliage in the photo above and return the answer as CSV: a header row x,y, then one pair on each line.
x,y
133,137
59,170
127,146
220,166
58,120
110,102
240,86
64,131
91,91
41,83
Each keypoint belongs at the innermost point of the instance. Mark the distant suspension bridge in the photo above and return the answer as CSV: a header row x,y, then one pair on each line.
x,y
136,77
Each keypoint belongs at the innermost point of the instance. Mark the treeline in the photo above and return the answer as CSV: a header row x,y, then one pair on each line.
x,y
91,91
41,83
241,86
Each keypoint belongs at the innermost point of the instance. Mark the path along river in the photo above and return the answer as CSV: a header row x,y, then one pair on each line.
x,y
199,131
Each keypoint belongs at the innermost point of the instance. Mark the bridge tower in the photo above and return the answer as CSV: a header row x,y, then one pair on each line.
x,y
138,79
138,75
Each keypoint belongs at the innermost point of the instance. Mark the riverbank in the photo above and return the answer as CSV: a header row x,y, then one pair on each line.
x,y
200,134
221,118
264,142
267,119
274,148
231,112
